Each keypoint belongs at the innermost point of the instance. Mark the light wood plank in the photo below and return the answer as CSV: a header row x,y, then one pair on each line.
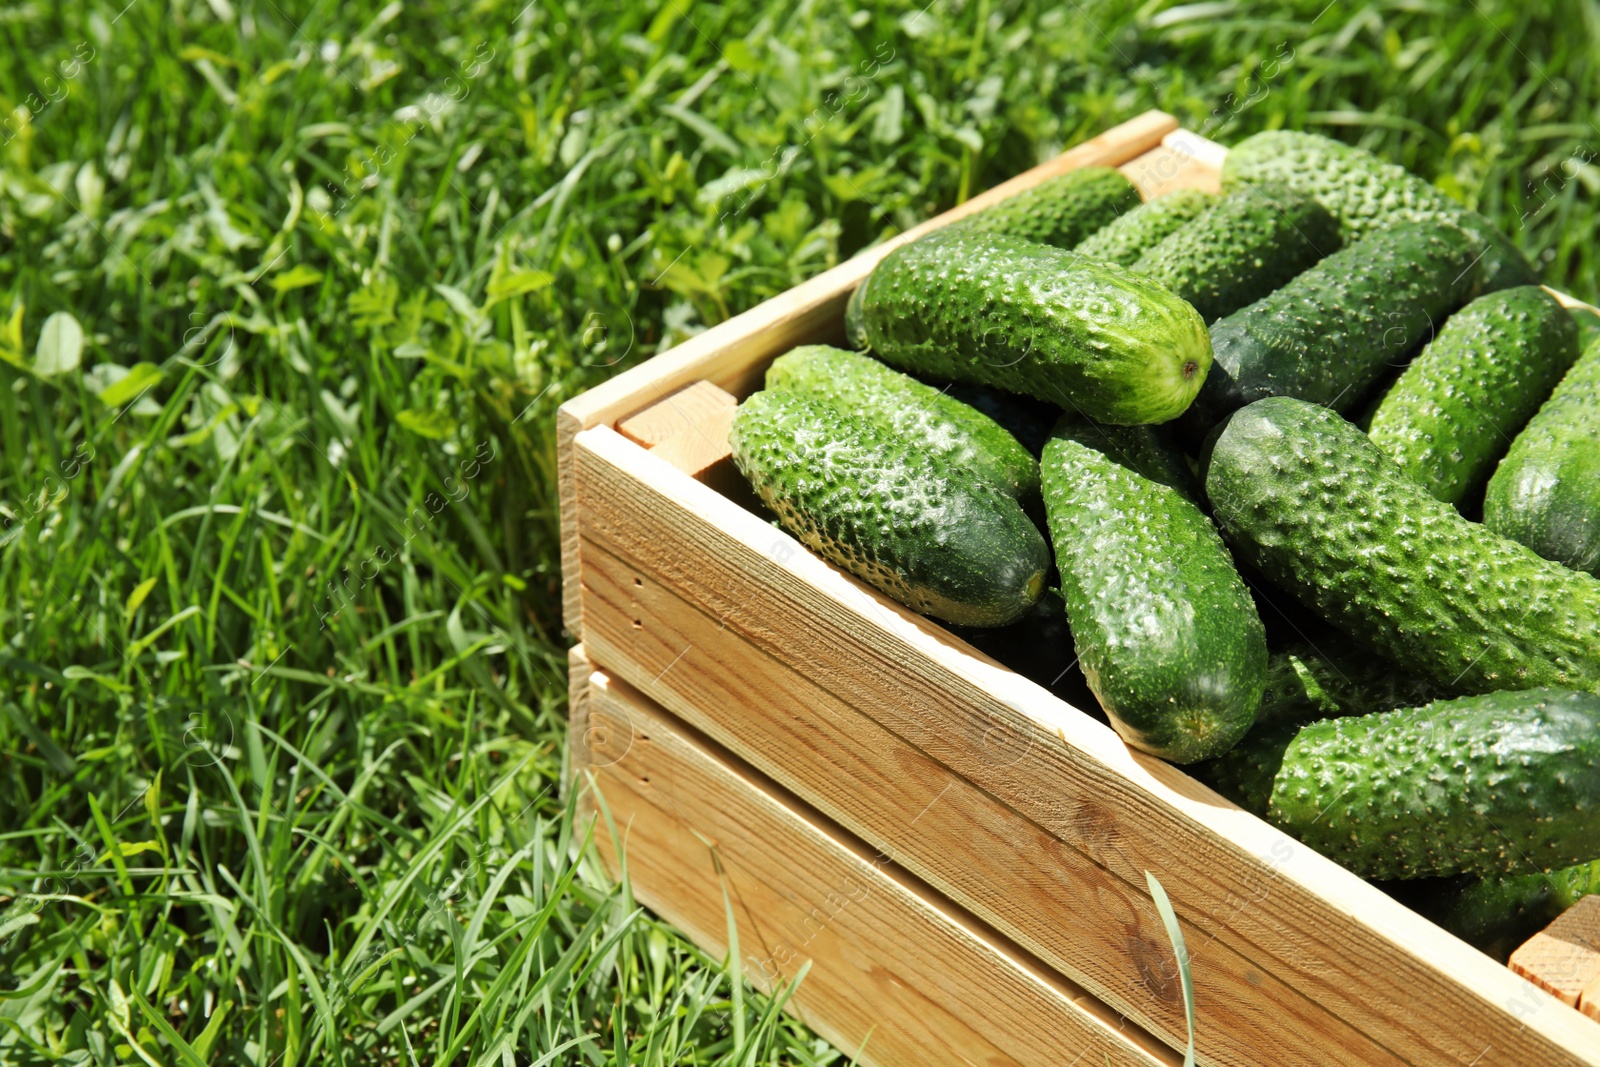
x,y
892,968
779,620
1165,169
701,445
1564,957
676,414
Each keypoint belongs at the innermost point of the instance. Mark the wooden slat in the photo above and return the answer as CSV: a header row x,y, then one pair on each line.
x,y
894,972
1564,958
1179,162
871,713
676,414
734,354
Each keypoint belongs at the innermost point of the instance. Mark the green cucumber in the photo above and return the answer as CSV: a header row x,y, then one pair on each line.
x,y
1587,320
1367,194
1307,499
1124,239
1455,408
1045,322
1060,211
1333,679
1246,245
1546,492
855,330
1480,785
1145,450
919,413
918,528
1329,334
1165,631
1497,914
1023,417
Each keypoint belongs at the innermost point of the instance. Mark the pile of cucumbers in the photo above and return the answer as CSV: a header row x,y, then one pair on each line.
x,y
1318,514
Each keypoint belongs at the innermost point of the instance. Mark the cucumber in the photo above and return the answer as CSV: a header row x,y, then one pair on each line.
x,y
1039,647
1060,211
1497,914
1587,320
1124,239
1546,492
905,407
1026,419
1309,501
1480,785
1145,450
855,330
1045,322
1333,679
1329,334
1456,407
1246,245
1367,194
1165,631
918,528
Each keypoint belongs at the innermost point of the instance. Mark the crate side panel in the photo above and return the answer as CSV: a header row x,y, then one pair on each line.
x,y
892,969
1249,888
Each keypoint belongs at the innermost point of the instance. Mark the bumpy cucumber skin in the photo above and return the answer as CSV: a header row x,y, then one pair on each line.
x,y
1127,237
925,533
1456,407
921,414
1246,245
1166,632
1546,492
1023,417
1145,450
1332,679
1330,333
1048,323
1477,785
1497,914
1367,194
1307,499
1060,211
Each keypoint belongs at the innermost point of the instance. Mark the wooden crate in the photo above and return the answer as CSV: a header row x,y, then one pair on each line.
x,y
1018,812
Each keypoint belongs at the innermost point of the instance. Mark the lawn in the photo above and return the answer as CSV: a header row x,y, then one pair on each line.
x,y
288,298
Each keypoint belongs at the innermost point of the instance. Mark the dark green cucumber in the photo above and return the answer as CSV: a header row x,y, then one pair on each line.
x,y
919,413
1332,679
1307,499
1481,785
1023,417
923,531
1367,194
1456,407
1165,631
855,330
1060,211
1048,323
1145,450
1246,245
1497,914
1039,647
1330,333
1124,239
1546,492
1587,320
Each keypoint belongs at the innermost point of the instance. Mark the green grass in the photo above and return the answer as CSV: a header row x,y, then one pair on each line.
x,y
283,670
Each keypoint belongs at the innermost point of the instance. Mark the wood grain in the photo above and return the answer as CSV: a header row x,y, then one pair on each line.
x,y
676,414
893,969
870,712
1564,958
